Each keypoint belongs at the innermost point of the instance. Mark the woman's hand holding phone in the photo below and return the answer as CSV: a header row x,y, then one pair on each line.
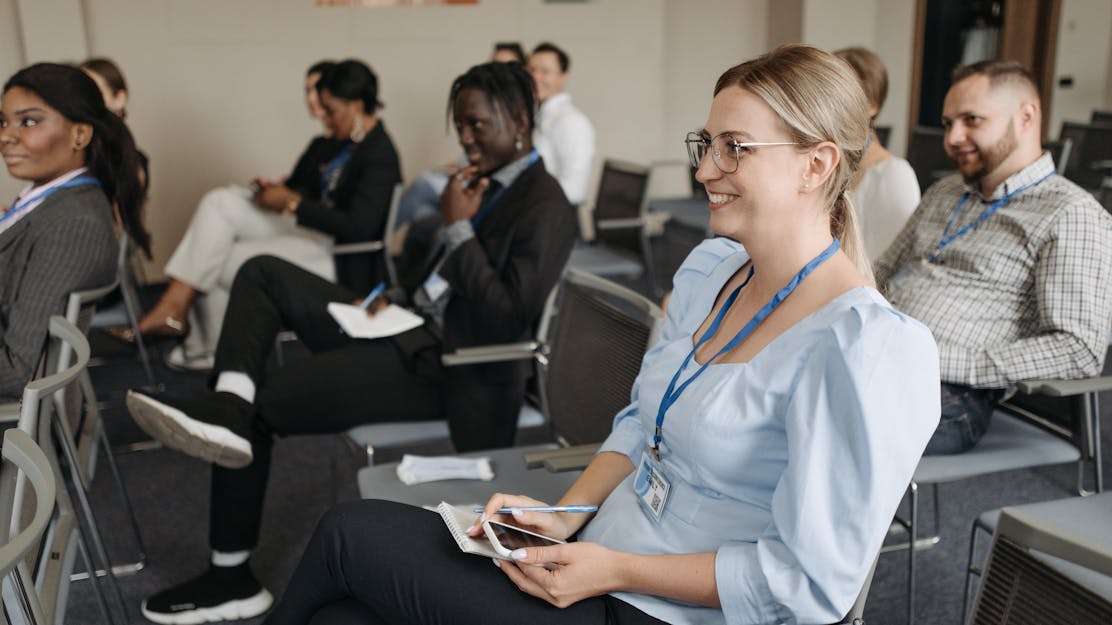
x,y
545,523
581,570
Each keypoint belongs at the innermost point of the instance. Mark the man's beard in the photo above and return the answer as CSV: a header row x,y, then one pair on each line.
x,y
991,157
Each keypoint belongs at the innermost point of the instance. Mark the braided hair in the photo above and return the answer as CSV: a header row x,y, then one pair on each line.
x,y
507,85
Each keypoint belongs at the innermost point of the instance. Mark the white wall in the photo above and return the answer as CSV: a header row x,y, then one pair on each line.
x,y
216,83
701,40
884,26
1083,53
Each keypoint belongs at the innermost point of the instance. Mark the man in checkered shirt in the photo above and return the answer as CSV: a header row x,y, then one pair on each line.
x,y
1008,264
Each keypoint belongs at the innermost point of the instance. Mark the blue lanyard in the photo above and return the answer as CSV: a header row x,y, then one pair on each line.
x,y
672,394
76,182
332,169
947,238
481,215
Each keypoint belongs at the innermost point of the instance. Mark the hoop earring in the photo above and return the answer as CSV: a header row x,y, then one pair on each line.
x,y
518,143
357,132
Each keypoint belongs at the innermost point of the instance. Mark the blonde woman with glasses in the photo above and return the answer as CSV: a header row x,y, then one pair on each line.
x,y
770,435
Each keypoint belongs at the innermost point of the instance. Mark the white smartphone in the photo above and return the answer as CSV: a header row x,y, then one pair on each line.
x,y
505,538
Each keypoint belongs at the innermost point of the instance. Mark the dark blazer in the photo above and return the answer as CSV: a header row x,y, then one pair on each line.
x,y
66,244
356,209
500,280
305,176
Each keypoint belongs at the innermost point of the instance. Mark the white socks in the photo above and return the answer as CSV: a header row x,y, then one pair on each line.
x,y
237,383
230,558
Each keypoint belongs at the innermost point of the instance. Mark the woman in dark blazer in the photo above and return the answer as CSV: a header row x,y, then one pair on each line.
x,y
506,235
57,236
339,192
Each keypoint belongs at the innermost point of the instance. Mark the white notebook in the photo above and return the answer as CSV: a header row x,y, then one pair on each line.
x,y
387,322
458,519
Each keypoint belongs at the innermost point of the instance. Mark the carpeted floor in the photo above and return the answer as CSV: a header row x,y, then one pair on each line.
x,y
170,493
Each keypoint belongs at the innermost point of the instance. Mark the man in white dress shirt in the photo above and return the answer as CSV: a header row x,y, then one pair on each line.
x,y
564,136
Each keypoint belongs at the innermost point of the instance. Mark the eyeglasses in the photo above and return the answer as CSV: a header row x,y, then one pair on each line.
x,y
724,149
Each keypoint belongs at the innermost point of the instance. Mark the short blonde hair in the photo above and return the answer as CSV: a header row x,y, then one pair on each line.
x,y
819,99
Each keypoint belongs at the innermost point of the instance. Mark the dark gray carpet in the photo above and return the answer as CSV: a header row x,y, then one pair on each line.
x,y
170,492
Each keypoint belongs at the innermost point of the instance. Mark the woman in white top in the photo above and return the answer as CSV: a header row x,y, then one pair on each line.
x,y
785,407
885,190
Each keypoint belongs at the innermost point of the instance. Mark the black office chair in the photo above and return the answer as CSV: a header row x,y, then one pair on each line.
x,y
927,155
621,246
1101,117
1045,571
1060,152
1090,158
883,134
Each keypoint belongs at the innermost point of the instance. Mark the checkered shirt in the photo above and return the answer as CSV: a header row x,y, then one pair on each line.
x,y
1026,294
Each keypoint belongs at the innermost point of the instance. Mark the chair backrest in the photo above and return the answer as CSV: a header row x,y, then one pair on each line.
x,y
383,245
927,155
23,461
620,205
883,134
1091,144
37,391
1025,580
1060,152
596,342
1104,196
1101,117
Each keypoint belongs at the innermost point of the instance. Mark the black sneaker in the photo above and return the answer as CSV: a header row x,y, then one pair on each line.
x,y
215,427
222,593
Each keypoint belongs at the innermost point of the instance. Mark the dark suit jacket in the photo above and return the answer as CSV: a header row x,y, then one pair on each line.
x,y
356,209
500,280
66,244
305,176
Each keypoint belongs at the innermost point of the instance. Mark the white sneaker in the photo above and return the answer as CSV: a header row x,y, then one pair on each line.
x,y
178,360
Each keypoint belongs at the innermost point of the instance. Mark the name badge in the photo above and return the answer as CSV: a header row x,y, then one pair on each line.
x,y
435,286
652,487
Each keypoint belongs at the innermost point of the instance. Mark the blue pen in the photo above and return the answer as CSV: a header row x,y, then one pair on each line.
x,y
574,508
375,292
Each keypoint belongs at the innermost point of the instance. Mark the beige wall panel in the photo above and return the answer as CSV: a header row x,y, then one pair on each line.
x,y
216,83
1083,53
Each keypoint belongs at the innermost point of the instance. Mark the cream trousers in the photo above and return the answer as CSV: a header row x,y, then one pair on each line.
x,y
226,231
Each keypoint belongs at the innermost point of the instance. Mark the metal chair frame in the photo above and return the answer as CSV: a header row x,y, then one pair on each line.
x,y
24,460
1086,440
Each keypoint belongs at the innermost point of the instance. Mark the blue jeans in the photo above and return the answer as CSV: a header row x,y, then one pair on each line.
x,y
965,416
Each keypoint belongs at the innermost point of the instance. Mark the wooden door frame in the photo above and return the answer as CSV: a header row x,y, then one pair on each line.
x,y
1029,35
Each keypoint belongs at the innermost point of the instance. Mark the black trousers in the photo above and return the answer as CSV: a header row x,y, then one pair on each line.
x,y
343,383
381,562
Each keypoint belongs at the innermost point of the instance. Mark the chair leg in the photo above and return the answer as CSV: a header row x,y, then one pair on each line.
x,y
141,562
132,311
87,526
971,570
913,491
97,590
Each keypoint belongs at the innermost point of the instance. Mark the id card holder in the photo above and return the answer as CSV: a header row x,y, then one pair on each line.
x,y
652,487
435,286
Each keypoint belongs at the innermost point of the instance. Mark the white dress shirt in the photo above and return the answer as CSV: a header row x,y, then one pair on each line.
x,y
565,139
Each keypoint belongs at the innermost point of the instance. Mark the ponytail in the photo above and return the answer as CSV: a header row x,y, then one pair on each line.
x,y
843,226
114,160
111,155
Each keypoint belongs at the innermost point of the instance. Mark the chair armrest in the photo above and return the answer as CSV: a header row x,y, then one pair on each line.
x,y
537,459
568,463
1066,388
506,352
620,224
361,247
